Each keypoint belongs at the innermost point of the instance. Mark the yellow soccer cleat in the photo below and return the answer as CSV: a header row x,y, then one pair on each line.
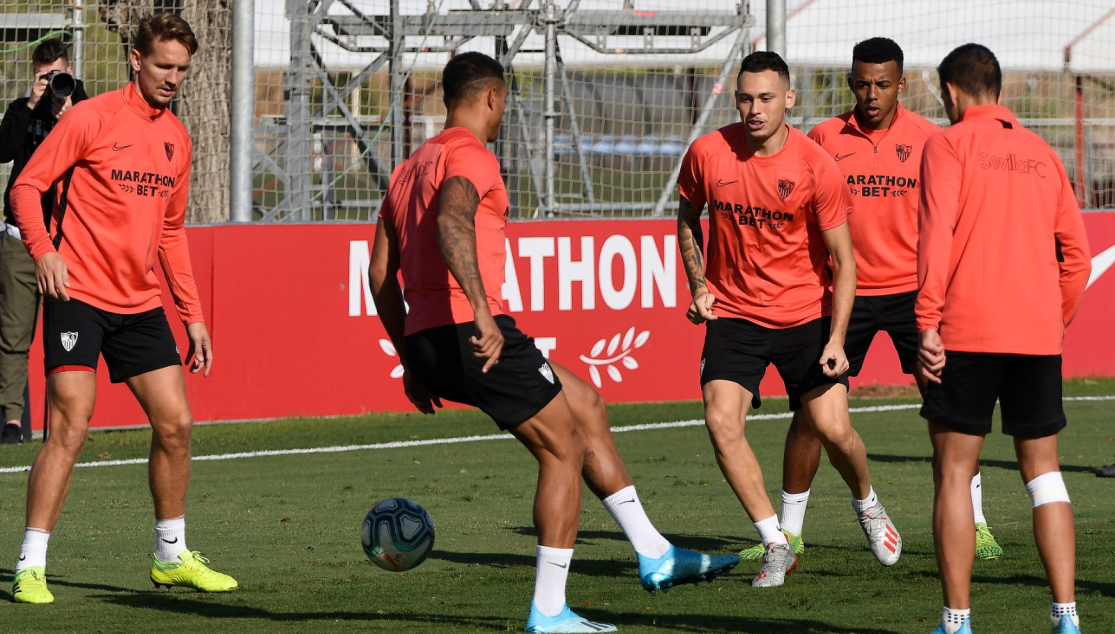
x,y
190,571
30,586
986,546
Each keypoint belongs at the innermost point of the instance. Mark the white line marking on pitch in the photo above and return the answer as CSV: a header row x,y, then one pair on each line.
x,y
463,439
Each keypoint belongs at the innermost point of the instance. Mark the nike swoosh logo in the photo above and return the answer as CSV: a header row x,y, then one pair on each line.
x,y
1100,264
167,541
721,183
626,501
116,147
841,158
22,557
554,563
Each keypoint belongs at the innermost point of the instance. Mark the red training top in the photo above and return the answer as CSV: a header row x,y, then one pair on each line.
x,y
767,260
412,205
125,173
881,169
1002,255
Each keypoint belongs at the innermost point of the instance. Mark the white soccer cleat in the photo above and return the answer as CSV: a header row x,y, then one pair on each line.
x,y
779,561
886,543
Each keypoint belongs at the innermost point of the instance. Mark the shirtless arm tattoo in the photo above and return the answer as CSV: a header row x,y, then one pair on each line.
x,y
456,237
691,242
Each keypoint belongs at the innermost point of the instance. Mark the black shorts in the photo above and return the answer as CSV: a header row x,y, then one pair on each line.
x,y
739,350
894,315
512,391
1027,387
75,334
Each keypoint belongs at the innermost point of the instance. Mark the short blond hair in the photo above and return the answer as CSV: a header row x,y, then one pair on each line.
x,y
164,26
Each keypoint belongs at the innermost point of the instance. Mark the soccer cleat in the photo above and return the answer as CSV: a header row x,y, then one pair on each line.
x,y
565,621
679,566
986,546
883,537
190,571
965,628
30,586
1066,625
778,562
756,552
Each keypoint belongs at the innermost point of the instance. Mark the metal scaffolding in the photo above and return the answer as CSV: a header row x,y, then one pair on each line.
x,y
386,37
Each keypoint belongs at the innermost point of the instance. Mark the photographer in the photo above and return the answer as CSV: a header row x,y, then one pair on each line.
x,y
26,123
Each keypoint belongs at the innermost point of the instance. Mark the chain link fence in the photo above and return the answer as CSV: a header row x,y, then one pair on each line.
x,y
606,94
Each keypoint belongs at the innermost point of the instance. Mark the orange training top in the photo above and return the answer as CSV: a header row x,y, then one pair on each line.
x,y
1002,255
412,205
124,169
767,260
881,169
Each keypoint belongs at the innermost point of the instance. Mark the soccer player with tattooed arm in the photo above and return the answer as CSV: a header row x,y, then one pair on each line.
x,y
441,229
778,208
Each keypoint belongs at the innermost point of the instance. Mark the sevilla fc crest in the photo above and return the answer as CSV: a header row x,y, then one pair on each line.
x,y
69,339
903,151
169,147
785,188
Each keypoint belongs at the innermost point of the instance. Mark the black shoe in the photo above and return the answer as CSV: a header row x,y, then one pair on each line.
x,y
1106,472
13,435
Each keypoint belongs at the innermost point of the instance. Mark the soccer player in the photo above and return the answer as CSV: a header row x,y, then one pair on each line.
x,y
778,207
442,226
877,146
1002,264
122,161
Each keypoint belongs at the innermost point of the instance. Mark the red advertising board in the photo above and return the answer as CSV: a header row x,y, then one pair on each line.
x,y
295,331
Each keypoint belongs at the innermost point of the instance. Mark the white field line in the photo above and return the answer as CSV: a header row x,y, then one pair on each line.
x,y
398,444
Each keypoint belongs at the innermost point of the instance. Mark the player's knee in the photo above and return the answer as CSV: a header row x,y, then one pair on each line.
x,y
838,436
723,428
1047,488
174,433
69,438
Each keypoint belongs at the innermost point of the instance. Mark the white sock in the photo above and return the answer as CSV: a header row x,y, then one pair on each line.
x,y
951,620
33,552
770,532
977,498
793,511
863,505
1061,609
170,539
628,512
549,579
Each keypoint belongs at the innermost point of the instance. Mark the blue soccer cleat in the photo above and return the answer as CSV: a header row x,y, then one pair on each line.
x,y
965,628
565,621
1066,626
679,566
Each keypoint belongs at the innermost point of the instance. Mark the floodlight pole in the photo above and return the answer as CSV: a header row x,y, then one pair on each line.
x,y
550,17
776,27
242,115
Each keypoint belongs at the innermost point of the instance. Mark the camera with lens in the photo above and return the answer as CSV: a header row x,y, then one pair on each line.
x,y
61,84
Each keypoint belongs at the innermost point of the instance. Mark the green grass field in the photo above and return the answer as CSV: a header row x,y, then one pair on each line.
x,y
288,528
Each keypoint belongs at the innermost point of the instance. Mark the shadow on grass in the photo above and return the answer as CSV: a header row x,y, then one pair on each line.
x,y
700,543
168,602
1104,588
7,576
681,622
1000,464
581,565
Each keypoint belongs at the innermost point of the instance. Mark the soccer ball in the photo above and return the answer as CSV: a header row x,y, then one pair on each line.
x,y
397,534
